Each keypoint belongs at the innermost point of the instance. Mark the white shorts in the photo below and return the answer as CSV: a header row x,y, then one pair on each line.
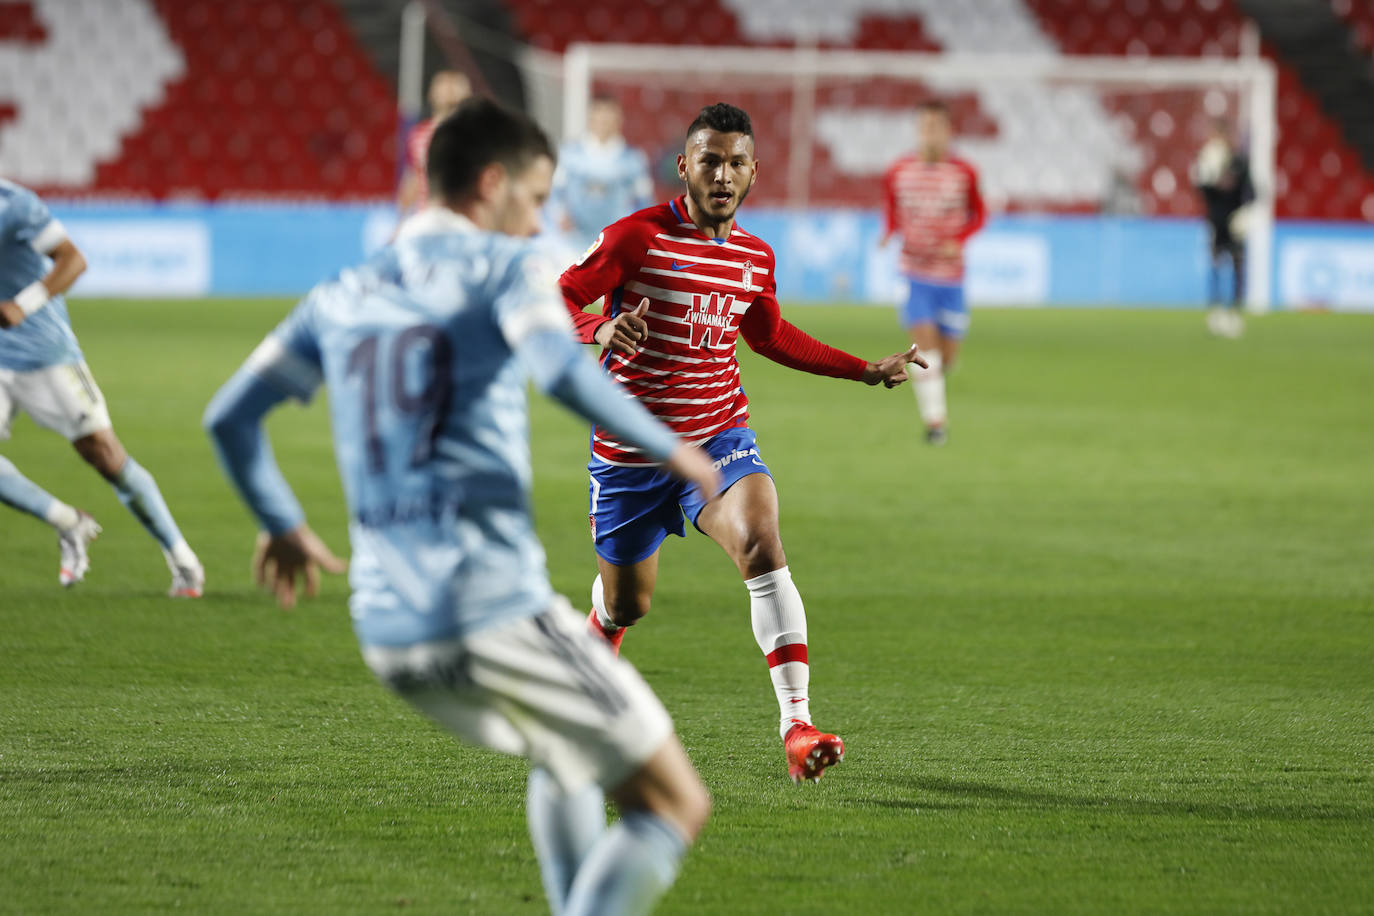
x,y
64,399
541,688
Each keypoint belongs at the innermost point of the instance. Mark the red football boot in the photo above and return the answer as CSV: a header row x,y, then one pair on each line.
x,y
611,639
810,751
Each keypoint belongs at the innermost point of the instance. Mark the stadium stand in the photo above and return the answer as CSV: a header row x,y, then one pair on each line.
x,y
254,98
204,99
1320,174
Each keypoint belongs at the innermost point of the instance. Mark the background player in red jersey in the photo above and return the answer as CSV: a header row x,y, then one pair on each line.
x,y
698,282
447,90
931,200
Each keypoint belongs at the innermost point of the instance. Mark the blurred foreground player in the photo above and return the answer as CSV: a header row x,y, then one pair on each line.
x,y
447,90
43,373
600,177
931,201
699,282
426,349
1222,176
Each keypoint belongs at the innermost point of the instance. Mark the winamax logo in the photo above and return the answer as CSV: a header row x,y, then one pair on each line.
x,y
709,318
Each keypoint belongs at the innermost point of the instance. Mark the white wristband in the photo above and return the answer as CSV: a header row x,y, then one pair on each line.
x,y
32,297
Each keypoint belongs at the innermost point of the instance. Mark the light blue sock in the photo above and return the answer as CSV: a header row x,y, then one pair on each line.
x,y
564,829
139,493
23,494
629,869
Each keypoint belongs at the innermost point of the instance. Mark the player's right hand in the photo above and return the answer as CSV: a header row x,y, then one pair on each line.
x,y
11,315
624,332
278,559
694,466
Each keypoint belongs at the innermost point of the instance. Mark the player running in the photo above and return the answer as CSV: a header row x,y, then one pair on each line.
x,y
43,373
425,350
931,200
682,281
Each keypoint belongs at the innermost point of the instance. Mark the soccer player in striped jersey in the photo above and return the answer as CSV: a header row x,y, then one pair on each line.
x,y
682,282
43,373
931,200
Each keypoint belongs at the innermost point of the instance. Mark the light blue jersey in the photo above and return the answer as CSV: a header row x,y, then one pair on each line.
x,y
598,183
418,348
27,233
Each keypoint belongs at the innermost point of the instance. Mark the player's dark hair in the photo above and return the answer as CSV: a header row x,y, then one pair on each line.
x,y
939,106
724,118
478,133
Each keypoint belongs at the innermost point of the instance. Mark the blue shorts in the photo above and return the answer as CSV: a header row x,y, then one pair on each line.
x,y
633,509
939,304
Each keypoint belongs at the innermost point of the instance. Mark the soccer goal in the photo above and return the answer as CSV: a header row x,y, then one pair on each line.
x,y
1049,133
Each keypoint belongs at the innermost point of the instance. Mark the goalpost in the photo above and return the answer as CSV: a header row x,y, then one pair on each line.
x,y
1049,133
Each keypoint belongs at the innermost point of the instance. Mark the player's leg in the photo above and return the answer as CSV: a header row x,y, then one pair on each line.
x,y
67,400
631,511
75,529
918,316
542,688
744,522
621,595
31,391
663,807
139,493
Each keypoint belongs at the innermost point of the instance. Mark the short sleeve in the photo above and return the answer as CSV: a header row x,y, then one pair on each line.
x,y
289,357
28,220
527,298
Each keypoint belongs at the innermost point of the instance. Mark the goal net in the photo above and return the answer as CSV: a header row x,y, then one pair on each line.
x,y
1049,134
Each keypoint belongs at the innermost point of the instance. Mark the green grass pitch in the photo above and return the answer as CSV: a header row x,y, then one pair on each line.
x,y
1111,650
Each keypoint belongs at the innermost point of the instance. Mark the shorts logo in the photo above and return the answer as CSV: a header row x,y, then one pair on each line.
x,y
709,318
748,275
737,455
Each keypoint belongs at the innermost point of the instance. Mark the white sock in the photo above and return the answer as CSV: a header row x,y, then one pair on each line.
x,y
564,828
608,626
929,388
182,553
61,516
779,618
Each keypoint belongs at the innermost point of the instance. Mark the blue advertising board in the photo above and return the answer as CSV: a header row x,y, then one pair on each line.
x,y
244,249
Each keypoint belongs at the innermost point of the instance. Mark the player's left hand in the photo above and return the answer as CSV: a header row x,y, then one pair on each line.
x,y
279,559
892,371
11,315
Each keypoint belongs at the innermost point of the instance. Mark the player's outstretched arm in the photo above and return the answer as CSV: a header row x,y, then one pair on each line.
x,y
287,549
563,372
768,334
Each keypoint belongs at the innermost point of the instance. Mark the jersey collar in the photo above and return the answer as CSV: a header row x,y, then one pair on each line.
x,y
435,220
679,208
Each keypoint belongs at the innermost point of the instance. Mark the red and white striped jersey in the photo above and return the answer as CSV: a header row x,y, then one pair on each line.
x,y
702,295
417,153
931,204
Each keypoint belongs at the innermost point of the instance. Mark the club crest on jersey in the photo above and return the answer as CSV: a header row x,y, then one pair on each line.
x,y
748,275
709,318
